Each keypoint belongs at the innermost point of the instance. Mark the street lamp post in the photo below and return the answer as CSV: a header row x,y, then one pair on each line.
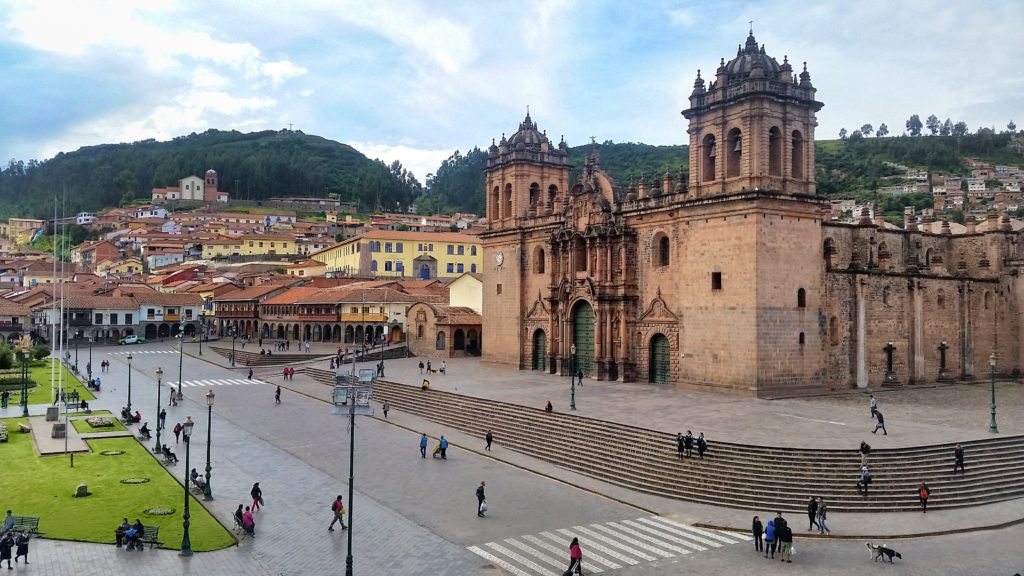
x,y
186,543
234,334
181,355
201,335
129,383
572,377
24,383
159,384
992,364
207,494
88,367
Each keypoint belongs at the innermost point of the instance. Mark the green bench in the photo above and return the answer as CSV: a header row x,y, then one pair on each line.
x,y
26,523
151,535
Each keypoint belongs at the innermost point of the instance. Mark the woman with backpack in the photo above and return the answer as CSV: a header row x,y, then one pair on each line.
x,y
922,494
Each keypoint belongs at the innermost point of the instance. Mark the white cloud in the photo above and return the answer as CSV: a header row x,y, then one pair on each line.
x,y
681,17
419,161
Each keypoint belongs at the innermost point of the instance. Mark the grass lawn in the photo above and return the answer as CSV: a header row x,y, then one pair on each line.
x,y
42,486
41,393
83,427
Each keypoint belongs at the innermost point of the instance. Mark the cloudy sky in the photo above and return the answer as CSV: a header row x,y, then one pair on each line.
x,y
415,80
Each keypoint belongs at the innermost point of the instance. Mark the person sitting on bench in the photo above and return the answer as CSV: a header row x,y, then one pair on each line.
x,y
168,455
137,417
126,415
83,405
119,533
134,535
144,431
198,480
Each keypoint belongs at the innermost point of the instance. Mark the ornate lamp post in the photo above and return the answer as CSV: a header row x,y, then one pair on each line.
x,y
207,494
181,354
992,364
201,330
130,383
572,377
24,378
186,543
234,335
159,384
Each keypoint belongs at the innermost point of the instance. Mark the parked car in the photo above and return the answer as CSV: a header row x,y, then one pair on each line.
x,y
131,339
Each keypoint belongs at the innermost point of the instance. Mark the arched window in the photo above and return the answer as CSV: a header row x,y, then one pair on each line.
x,y
833,331
708,152
941,299
495,204
552,193
508,202
440,341
534,194
801,298
988,299
830,252
774,152
373,265
797,170
663,251
419,331
884,256
539,261
803,339
887,296
928,259
580,255
734,153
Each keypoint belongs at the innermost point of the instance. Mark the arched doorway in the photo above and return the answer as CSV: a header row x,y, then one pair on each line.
x,y
459,340
396,334
190,330
540,350
164,331
659,370
440,343
583,337
359,335
349,334
280,330
316,332
472,342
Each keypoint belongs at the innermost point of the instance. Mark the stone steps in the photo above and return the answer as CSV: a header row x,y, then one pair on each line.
x,y
734,475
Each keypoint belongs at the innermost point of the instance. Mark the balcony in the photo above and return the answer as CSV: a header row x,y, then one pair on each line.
x,y
323,317
172,317
8,326
363,317
79,321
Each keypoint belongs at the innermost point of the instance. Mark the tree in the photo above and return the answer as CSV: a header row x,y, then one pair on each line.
x,y
1011,126
883,130
856,135
933,124
914,125
947,128
842,134
867,129
960,129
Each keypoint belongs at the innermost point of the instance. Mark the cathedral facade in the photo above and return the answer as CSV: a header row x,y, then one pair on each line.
x,y
732,277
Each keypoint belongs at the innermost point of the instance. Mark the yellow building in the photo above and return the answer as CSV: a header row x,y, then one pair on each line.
x,y
396,254
21,229
126,267
251,245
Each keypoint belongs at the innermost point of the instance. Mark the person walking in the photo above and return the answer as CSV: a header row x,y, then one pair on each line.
x,y
680,445
421,367
257,497
338,507
864,481
444,367
177,432
277,395
757,531
784,535
423,445
480,498
238,516
250,373
22,542
575,558
386,408
865,450
702,446
922,495
873,405
958,458
812,513
822,513
4,397
444,447
6,545
880,424
489,438
769,539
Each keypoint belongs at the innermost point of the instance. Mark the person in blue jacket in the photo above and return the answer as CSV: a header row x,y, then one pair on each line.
x,y
769,539
423,446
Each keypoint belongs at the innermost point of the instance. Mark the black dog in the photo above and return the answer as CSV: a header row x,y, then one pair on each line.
x,y
882,552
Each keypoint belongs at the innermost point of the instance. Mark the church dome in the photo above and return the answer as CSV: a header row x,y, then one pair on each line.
x,y
750,57
528,136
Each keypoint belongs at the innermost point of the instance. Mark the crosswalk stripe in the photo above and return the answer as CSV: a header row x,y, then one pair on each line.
x,y
664,536
617,532
614,543
521,559
737,535
591,558
698,531
534,552
688,535
592,546
497,561
238,382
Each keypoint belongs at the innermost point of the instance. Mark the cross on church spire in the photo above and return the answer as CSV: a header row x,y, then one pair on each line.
x,y
751,26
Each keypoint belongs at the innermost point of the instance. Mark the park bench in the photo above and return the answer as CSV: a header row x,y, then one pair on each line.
x,y
151,535
23,523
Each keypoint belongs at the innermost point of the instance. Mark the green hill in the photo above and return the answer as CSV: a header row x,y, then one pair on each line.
x,y
256,165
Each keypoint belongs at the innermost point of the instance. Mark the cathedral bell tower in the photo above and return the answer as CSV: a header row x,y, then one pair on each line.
x,y
753,127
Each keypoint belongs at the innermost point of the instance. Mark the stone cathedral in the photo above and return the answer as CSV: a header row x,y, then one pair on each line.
x,y
732,277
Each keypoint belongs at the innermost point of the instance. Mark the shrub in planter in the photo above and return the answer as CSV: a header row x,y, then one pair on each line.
x,y
40,352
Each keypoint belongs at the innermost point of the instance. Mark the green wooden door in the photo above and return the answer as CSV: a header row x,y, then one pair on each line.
x,y
540,350
583,337
660,370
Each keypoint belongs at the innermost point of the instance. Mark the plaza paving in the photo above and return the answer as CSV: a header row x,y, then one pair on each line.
x,y
412,514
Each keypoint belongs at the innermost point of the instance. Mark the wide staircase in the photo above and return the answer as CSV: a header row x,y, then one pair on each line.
x,y
250,358
735,475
